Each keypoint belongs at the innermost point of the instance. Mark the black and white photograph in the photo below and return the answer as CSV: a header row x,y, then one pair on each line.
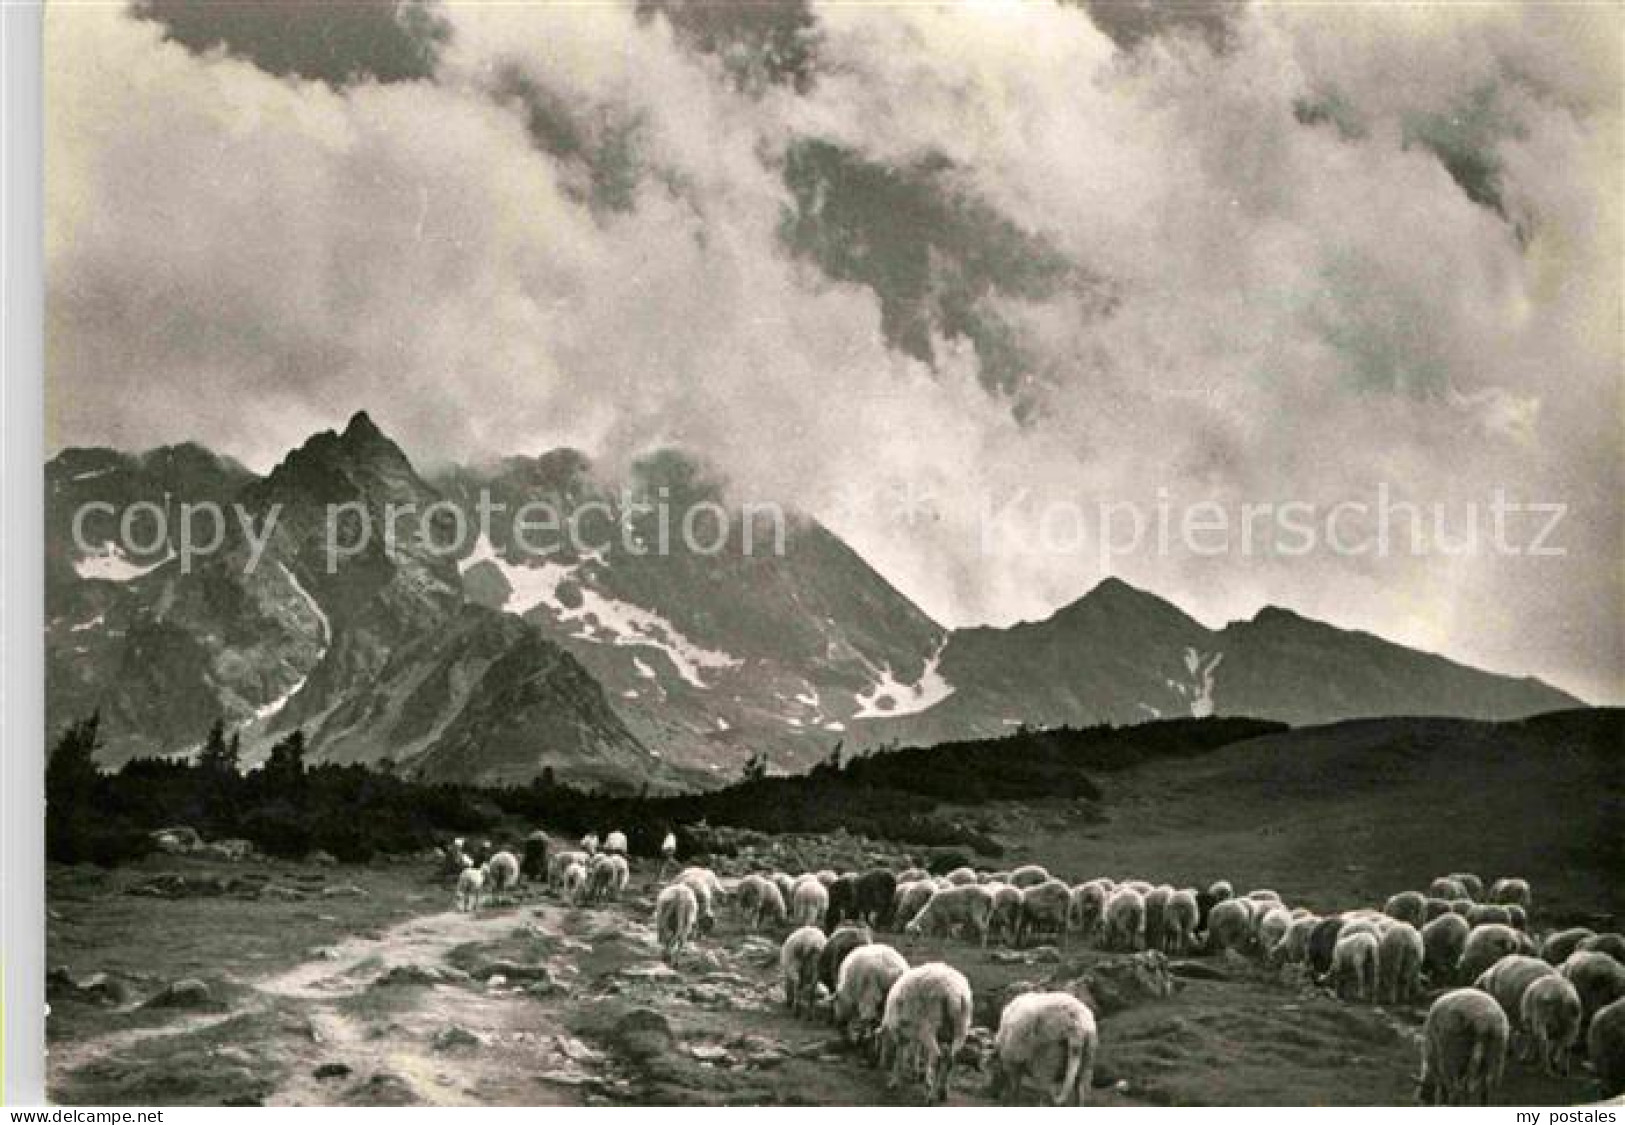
x,y
644,553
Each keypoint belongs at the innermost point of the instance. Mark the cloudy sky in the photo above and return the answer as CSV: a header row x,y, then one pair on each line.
x,y
996,259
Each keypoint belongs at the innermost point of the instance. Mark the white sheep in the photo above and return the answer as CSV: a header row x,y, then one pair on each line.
x,y
1444,940
622,876
1180,921
470,888
962,876
1605,1047
1005,917
707,889
826,877
1028,875
1044,907
1511,892
1230,926
676,910
1399,964
615,843
1507,980
575,883
1272,928
865,979
558,863
1407,906
600,878
1293,948
1125,919
910,899
502,870
964,907
1086,915
1464,1047
759,901
1048,1039
1354,966
1550,1016
809,902
798,963
927,1019
1484,947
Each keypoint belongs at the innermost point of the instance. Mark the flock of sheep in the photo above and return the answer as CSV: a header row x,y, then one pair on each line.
x,y
1557,994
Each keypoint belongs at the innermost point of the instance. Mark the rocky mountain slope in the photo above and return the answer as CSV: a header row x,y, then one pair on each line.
x,y
598,641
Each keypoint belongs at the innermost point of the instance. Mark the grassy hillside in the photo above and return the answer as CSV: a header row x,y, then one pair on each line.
x,y
1344,814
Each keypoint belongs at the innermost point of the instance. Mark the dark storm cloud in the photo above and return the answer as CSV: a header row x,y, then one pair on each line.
x,y
333,41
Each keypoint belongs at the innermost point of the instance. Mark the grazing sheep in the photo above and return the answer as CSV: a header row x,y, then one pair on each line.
x,y
865,978
1293,948
1005,917
1462,906
911,899
1507,980
1597,977
559,864
798,963
785,884
1485,946
575,884
1179,922
1221,890
600,878
1436,907
1511,892
1484,914
1156,916
760,902
847,937
912,875
964,907
1086,914
876,888
1408,906
1029,875
1272,929
676,910
1472,884
1605,1047
502,870
1444,940
826,877
962,877
1044,909
1611,944
615,843
470,889
1323,943
1125,920
1400,952
622,876
843,900
1557,946
1047,1039
1464,1049
1447,888
809,903
1354,967
1230,926
926,1021
707,889
1550,1015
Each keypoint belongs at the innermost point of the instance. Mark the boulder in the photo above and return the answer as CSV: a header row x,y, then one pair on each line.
x,y
186,993
643,1033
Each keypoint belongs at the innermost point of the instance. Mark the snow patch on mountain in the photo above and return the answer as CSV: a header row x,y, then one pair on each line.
x,y
889,697
1198,692
269,710
601,619
112,565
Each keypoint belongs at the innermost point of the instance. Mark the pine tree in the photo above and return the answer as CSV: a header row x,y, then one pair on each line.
x,y
285,770
219,757
70,775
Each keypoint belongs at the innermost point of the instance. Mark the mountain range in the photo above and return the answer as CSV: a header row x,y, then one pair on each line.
x,y
494,656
